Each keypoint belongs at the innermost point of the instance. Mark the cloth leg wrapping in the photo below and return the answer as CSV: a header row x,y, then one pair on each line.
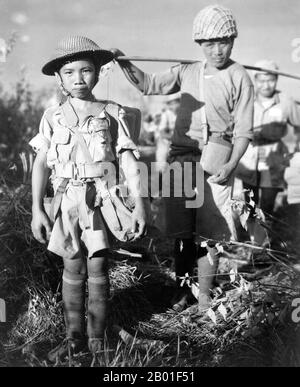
x,y
97,305
73,293
98,286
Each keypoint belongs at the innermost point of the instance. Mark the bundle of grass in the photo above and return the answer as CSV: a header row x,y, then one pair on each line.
x,y
247,316
128,303
42,322
122,275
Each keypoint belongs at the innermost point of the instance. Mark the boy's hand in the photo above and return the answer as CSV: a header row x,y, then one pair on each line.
x,y
117,52
40,226
223,174
139,220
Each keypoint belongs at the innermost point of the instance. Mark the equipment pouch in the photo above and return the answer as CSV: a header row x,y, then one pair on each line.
x,y
215,154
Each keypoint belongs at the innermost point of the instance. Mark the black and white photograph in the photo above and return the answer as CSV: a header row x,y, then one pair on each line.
x,y
149,186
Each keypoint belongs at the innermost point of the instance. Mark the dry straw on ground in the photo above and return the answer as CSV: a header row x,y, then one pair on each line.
x,y
249,322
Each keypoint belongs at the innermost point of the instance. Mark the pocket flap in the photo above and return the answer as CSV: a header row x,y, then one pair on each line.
x,y
99,123
61,136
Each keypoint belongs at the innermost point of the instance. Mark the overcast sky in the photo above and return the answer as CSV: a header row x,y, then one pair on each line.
x,y
159,28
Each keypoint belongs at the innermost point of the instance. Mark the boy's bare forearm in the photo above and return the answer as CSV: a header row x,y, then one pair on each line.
x,y
134,75
40,175
132,175
239,148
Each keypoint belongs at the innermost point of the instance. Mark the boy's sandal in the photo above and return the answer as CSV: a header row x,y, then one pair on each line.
x,y
180,305
96,347
67,348
182,299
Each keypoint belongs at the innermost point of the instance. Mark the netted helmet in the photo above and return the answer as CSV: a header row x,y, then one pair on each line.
x,y
214,22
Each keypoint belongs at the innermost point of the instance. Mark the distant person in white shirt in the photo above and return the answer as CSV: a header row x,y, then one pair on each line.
x,y
262,167
165,131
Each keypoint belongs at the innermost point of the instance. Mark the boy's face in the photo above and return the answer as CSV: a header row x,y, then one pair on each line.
x,y
265,84
79,78
217,51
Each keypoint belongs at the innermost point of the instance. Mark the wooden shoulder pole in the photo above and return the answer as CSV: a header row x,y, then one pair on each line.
x,y
189,61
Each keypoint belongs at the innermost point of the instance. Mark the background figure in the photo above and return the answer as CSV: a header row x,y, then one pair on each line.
x,y
149,129
165,131
262,167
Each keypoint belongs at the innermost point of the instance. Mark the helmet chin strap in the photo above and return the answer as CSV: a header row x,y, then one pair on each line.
x,y
64,91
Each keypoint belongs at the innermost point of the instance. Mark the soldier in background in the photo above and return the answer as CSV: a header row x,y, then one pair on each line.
x,y
262,167
165,131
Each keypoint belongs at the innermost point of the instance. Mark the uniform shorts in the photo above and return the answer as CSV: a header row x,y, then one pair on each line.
x,y
213,220
78,230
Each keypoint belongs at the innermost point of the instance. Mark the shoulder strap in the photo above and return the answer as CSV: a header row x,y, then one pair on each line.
x,y
73,124
112,108
83,145
70,116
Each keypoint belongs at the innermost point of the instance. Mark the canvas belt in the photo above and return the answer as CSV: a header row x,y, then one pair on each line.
x,y
90,197
71,170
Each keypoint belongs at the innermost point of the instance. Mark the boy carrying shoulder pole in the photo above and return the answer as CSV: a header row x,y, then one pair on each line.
x,y
213,127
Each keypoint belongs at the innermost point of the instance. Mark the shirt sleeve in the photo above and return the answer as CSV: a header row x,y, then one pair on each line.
x,y
164,83
43,138
293,113
124,141
243,112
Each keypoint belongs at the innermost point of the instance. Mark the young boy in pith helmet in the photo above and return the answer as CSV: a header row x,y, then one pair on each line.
x,y
262,166
75,141
225,90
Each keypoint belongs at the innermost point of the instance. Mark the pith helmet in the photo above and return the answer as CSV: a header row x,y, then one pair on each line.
x,y
75,47
214,22
265,64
